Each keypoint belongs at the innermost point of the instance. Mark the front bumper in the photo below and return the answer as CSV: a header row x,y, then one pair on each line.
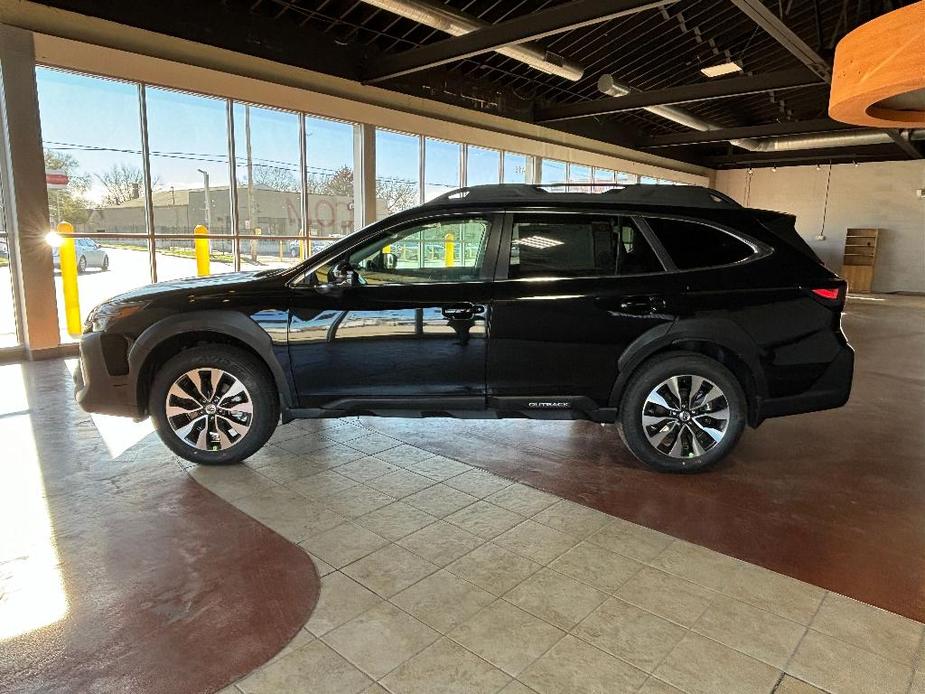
x,y
95,389
831,390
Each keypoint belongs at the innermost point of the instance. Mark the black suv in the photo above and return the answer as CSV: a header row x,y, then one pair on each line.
x,y
671,311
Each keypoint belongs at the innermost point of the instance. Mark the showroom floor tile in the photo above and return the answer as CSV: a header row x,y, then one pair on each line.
x,y
437,576
448,578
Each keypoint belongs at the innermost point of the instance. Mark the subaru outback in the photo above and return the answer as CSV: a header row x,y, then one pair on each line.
x,y
672,312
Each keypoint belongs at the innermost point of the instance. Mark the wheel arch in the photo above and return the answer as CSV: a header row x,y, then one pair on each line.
x,y
718,339
173,334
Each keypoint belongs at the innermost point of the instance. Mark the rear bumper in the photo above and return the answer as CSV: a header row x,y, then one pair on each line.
x,y
95,389
831,390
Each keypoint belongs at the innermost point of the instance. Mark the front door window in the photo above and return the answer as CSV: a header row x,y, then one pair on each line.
x,y
449,250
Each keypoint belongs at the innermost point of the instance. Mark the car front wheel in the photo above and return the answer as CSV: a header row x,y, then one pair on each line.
x,y
682,412
214,404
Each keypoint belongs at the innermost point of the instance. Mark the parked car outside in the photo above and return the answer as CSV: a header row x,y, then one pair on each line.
x,y
89,255
672,312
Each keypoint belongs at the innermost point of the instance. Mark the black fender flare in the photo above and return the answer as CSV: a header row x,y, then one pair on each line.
x,y
721,332
234,324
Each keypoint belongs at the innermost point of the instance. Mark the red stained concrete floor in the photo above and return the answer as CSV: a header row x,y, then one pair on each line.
x,y
834,498
168,588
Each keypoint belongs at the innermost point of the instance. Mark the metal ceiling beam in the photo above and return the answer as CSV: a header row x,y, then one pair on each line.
x,y
767,130
901,138
810,156
531,27
764,17
702,91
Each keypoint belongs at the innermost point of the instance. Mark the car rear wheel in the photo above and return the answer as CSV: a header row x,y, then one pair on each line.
x,y
682,412
214,404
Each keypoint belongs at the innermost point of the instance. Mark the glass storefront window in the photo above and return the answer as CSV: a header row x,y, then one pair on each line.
x,y
176,258
648,180
398,184
269,185
109,267
266,152
330,177
626,179
188,144
553,171
518,168
8,335
483,166
93,156
441,167
606,178
579,173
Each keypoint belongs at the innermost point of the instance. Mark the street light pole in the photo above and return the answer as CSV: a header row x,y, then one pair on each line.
x,y
205,184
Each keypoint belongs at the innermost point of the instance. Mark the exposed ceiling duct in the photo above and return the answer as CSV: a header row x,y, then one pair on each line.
x,y
456,23
611,87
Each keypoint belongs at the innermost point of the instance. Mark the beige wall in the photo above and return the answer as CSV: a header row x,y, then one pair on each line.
x,y
881,195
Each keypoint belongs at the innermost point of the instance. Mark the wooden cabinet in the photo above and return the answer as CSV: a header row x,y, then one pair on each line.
x,y
860,258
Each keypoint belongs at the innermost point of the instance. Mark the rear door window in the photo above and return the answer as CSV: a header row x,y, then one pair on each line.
x,y
691,245
578,246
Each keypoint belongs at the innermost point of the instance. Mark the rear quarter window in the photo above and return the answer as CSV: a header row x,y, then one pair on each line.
x,y
691,245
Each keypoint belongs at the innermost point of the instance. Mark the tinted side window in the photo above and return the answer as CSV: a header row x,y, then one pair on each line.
x,y
566,246
693,245
450,250
636,256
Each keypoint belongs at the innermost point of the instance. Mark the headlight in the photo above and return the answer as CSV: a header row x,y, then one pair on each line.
x,y
101,317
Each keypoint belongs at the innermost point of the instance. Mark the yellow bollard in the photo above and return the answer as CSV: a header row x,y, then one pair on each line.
x,y
449,250
67,255
301,250
202,251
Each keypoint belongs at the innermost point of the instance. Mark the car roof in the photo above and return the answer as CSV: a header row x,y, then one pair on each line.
x,y
641,194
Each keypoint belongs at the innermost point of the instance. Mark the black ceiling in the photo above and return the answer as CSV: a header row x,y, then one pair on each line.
x,y
650,50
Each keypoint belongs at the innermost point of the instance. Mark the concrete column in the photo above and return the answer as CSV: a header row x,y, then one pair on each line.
x,y
535,174
24,175
364,174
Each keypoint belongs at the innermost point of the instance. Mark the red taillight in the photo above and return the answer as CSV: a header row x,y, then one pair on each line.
x,y
830,294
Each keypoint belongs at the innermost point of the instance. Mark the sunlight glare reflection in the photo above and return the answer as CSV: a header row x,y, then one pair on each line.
x,y
32,593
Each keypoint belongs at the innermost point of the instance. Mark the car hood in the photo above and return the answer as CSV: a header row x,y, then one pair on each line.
x,y
197,285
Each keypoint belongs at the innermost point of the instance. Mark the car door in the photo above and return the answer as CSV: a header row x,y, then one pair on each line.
x,y
94,253
572,292
410,330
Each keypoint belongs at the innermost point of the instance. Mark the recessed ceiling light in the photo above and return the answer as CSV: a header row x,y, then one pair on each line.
x,y
721,69
538,242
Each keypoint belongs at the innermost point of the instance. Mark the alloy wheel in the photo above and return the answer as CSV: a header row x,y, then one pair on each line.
x,y
209,409
685,416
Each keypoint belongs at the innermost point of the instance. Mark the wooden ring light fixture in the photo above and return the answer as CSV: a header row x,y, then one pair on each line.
x,y
878,79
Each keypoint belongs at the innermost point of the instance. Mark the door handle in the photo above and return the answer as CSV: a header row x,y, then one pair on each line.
x,y
643,305
463,311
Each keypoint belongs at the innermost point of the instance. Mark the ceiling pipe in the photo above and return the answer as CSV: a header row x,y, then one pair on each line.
x,y
611,87
455,23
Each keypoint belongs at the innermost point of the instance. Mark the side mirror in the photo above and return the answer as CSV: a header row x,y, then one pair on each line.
x,y
341,276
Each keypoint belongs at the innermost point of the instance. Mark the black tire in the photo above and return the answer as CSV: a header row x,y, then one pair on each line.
x,y
241,365
105,265
657,371
81,265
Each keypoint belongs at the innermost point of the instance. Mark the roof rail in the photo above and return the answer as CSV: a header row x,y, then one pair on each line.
x,y
490,192
636,194
682,196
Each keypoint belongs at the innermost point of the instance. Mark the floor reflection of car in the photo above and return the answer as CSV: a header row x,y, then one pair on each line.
x,y
89,255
